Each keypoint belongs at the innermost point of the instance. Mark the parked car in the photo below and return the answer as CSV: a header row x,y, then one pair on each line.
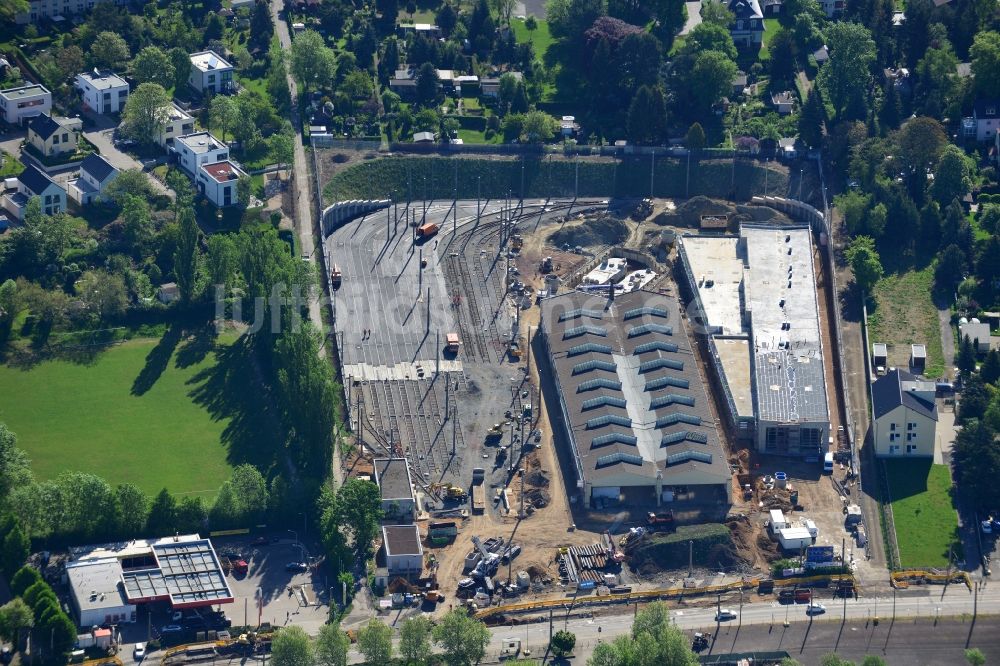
x,y
815,609
139,652
466,584
259,541
700,642
297,567
987,526
171,629
725,614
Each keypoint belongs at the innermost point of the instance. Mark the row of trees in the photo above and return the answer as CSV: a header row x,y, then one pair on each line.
x,y
462,639
36,609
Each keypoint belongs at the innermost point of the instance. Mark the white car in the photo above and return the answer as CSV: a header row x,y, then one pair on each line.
x,y
139,652
815,609
725,614
987,526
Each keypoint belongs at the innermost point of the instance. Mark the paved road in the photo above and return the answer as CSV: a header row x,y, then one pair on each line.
x,y
101,136
303,194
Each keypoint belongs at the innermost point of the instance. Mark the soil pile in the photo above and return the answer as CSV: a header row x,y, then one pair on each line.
x,y
689,213
604,230
538,478
538,498
715,545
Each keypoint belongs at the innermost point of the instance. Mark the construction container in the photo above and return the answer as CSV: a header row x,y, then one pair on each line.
x,y
427,230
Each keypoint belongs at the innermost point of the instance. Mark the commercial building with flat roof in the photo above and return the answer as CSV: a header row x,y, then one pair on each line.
x,y
634,408
107,581
757,306
395,486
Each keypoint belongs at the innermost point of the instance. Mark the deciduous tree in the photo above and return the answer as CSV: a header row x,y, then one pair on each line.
x,y
312,62
186,258
865,262
291,647
145,113
463,638
109,50
848,71
985,57
415,640
375,642
153,65
332,645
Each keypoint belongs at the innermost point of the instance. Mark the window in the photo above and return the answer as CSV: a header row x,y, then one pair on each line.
x,y
892,437
169,129
48,199
107,96
892,427
65,137
910,448
55,140
911,426
893,448
910,436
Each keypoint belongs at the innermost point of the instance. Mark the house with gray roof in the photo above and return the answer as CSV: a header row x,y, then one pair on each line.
x,y
747,28
33,182
904,416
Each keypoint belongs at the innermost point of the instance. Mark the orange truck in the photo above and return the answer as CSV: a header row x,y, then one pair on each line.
x,y
427,230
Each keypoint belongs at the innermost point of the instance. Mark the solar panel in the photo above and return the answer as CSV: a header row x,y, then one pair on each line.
x,y
600,382
657,363
608,419
580,312
684,435
603,401
613,438
594,364
677,417
582,330
656,345
667,380
636,331
671,399
619,457
588,347
684,456
645,311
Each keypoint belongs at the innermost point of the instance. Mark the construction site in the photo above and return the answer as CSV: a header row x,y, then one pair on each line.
x,y
438,307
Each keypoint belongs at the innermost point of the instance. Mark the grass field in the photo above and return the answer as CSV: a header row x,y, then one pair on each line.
x,y
172,412
771,27
540,38
926,522
904,314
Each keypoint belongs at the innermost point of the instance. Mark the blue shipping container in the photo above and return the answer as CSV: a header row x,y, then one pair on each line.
x,y
818,554
586,585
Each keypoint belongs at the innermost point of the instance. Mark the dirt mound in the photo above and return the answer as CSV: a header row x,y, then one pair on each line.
x,y
604,230
689,213
536,571
538,498
776,498
538,478
400,586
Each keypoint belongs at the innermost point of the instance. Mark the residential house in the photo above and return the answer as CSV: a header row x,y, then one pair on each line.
x,y
787,148
198,149
52,137
568,126
900,78
103,92
395,486
218,182
771,7
739,84
33,182
24,102
904,416
821,55
404,83
210,73
747,28
490,85
986,119
178,123
832,8
55,9
425,29
96,173
783,102
168,293
978,332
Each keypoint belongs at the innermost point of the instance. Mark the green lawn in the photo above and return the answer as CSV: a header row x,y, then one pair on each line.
x,y
771,27
9,165
540,38
904,314
926,522
173,412
474,136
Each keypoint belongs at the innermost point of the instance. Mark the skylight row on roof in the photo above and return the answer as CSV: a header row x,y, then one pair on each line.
x,y
580,312
657,363
685,456
594,364
619,457
656,345
636,331
667,380
677,417
671,399
613,438
589,347
646,312
608,419
600,382
684,435
583,330
603,401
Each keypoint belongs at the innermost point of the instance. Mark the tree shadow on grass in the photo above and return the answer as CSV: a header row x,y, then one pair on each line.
x,y
197,346
229,391
157,361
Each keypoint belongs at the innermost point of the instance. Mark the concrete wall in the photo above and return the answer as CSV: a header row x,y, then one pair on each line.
x,y
344,211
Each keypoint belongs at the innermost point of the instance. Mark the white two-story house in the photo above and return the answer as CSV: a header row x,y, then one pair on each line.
x,y
200,148
96,173
218,182
177,123
35,183
210,73
103,92
24,102
904,416
986,116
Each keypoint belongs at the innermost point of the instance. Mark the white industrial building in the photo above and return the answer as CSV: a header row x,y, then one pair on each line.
x,y
633,407
404,555
757,306
395,486
98,594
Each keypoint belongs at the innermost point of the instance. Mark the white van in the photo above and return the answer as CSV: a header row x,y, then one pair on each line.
x,y
828,463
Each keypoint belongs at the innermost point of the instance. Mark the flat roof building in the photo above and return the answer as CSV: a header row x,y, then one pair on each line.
x,y
395,486
757,306
111,579
634,409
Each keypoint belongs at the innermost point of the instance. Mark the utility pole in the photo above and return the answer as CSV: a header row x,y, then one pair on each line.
x,y
687,178
652,169
454,201
428,328
529,351
361,430
690,558
843,561
437,356
521,513
479,197
454,432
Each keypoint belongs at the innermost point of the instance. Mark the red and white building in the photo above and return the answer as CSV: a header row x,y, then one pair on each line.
x,y
218,182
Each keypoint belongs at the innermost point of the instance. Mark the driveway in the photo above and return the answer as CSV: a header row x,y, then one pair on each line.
x,y
102,137
10,142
